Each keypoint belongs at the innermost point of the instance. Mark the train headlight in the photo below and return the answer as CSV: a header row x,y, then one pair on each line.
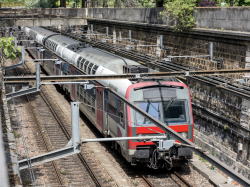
x,y
184,134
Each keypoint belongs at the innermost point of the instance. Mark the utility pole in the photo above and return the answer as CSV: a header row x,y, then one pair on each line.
x,y
63,3
84,4
231,2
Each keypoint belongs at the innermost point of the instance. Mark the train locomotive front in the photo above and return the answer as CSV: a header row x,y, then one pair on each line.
x,y
167,101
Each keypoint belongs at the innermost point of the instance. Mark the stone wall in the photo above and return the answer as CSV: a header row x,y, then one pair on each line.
x,y
216,139
228,18
233,52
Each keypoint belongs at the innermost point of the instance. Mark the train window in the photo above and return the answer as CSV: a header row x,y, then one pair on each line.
x,y
77,88
84,97
121,112
88,101
112,106
94,69
89,67
78,62
153,108
69,70
85,66
175,112
93,106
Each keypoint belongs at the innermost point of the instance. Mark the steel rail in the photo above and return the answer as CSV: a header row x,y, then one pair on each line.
x,y
211,159
182,179
123,76
145,179
43,138
66,132
214,161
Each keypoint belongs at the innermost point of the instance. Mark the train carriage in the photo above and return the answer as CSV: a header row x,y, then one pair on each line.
x,y
168,101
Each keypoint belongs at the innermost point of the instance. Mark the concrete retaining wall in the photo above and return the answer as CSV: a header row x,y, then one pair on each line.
x,y
31,22
11,162
235,18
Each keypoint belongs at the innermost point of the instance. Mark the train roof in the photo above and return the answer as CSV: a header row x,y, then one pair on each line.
x,y
54,37
106,59
63,40
41,31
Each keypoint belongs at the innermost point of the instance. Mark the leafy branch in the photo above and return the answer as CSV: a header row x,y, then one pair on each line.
x,y
180,11
7,49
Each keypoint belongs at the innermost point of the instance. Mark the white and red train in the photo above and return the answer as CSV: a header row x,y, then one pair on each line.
x,y
109,114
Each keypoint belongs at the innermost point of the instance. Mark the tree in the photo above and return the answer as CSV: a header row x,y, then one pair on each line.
x,y
7,49
181,11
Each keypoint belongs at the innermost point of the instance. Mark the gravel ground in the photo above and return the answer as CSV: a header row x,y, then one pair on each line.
x,y
27,144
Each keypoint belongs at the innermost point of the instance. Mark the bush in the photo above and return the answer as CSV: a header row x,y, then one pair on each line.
x,y
207,3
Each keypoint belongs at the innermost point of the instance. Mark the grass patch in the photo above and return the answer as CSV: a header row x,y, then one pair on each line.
x,y
16,135
202,159
136,183
212,167
222,29
64,173
83,125
26,182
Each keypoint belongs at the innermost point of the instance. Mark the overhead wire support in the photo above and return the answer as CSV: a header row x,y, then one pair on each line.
x,y
19,79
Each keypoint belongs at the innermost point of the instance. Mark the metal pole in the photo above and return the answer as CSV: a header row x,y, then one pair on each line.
x,y
211,52
91,27
75,125
129,35
161,39
120,36
13,89
23,55
107,31
15,40
37,75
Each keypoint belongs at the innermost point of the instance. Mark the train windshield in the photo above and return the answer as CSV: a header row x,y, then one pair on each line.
x,y
166,112
153,108
175,112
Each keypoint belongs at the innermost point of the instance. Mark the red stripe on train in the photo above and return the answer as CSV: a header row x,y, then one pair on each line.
x,y
145,130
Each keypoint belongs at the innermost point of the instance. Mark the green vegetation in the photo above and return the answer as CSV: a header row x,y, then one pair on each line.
x,y
16,135
26,182
64,173
181,11
225,127
212,167
222,29
201,159
83,125
136,183
7,49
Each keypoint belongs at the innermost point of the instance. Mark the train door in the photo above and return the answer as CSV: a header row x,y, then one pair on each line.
x,y
73,96
99,107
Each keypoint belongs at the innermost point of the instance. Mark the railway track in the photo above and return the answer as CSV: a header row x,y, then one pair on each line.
x,y
224,83
73,170
66,130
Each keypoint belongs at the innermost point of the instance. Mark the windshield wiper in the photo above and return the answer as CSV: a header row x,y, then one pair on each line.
x,y
147,109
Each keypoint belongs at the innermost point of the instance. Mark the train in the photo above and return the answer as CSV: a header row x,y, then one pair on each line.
x,y
166,99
